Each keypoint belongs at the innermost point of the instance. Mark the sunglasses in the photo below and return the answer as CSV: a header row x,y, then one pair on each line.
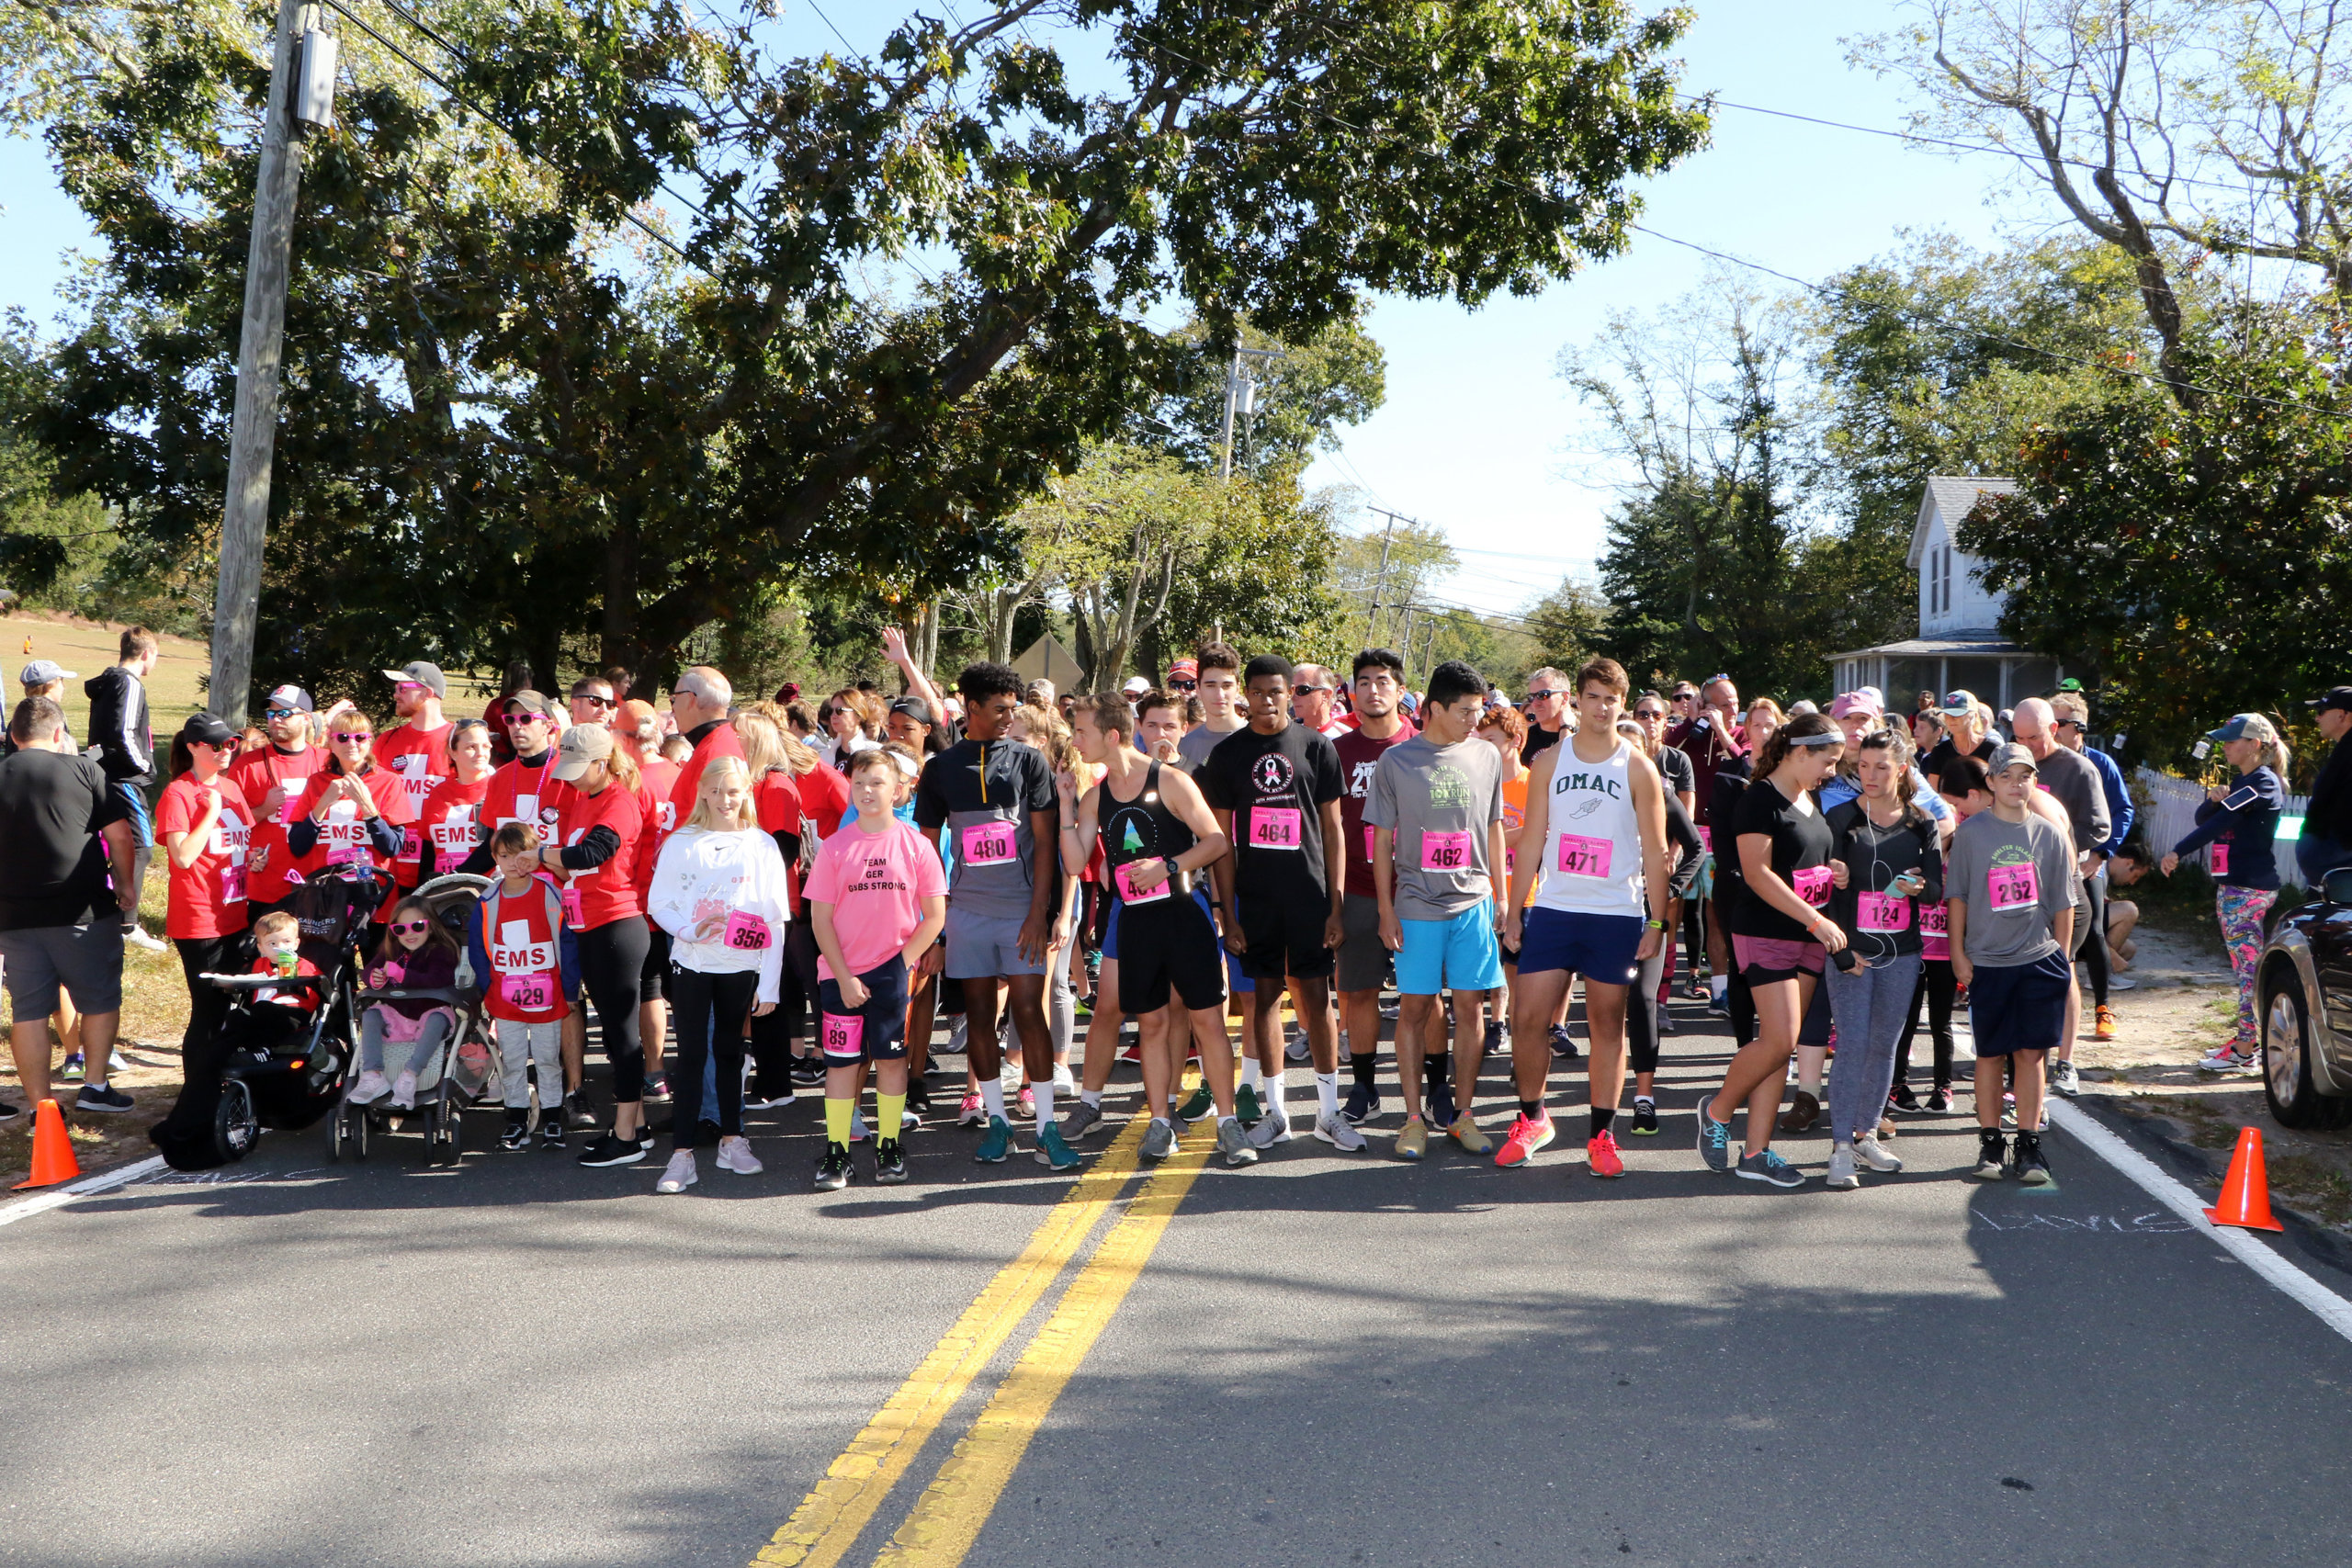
x,y
598,701
1184,685
412,686
1537,696
517,720
1305,691
404,927
282,713
2070,724
351,735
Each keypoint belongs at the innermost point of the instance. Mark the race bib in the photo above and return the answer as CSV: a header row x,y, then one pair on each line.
x,y
1128,890
2220,859
1445,851
286,812
346,841
1275,828
987,844
844,1036
1812,884
571,915
1883,912
1707,840
232,885
1368,841
746,932
1935,935
411,845
1582,856
527,993
2011,887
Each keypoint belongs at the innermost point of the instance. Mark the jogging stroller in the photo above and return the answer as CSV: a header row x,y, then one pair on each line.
x,y
454,1076
284,1078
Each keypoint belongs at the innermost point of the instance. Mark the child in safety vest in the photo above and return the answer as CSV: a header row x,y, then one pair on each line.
x,y
524,961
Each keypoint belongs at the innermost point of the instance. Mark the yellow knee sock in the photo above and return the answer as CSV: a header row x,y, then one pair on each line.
x,y
887,1109
837,1115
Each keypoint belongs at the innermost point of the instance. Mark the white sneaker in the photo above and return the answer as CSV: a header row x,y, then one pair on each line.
x,y
405,1092
1872,1153
372,1087
2121,983
679,1174
1272,1128
735,1154
1339,1133
1064,1082
1842,1176
137,937
858,1131
2226,1060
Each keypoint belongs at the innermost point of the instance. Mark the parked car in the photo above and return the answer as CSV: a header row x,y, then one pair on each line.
x,y
2306,1001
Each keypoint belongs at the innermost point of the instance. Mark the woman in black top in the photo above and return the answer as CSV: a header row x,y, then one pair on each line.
x,y
1646,1000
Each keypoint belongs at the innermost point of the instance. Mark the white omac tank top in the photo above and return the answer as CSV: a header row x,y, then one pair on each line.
x,y
1592,862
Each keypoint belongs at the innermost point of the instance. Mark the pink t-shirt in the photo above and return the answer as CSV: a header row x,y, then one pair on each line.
x,y
876,883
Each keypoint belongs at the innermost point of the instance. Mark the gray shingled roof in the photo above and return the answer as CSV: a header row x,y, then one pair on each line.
x,y
1954,495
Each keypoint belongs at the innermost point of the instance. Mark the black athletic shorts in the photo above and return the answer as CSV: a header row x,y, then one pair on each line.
x,y
1284,933
1167,946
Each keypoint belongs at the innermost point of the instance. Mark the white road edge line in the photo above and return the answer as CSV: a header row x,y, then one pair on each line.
x,y
2325,1303
58,1197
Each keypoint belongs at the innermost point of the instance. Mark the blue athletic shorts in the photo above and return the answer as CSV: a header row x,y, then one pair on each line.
x,y
1457,954
2021,1006
1599,947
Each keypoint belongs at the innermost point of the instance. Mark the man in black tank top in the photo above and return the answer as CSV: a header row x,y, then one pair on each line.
x,y
1158,836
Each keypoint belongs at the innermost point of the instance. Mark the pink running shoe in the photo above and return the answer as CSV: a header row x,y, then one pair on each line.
x,y
1527,1135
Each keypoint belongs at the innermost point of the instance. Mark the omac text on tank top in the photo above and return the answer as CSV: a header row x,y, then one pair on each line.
x,y
1592,857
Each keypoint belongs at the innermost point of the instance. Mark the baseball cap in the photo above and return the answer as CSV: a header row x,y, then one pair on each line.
x,y
1185,667
581,745
291,697
2234,730
1862,702
2337,697
207,729
1137,686
2011,755
422,674
634,712
41,671
535,702
1877,697
1958,704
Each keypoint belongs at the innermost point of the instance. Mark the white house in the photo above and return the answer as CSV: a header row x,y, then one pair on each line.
x,y
1959,647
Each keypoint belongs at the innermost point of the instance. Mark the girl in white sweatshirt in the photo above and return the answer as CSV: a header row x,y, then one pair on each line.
x,y
719,890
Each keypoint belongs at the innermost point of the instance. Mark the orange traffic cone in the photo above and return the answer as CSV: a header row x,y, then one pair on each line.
x,y
54,1158
2246,1192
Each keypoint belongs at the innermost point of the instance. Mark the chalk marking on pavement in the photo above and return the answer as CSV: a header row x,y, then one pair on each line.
x,y
948,1517
828,1521
2323,1303
58,1197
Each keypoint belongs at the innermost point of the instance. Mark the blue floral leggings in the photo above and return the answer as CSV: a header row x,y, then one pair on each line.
x,y
2242,912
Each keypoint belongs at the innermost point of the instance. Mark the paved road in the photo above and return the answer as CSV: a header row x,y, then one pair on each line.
x,y
1324,1359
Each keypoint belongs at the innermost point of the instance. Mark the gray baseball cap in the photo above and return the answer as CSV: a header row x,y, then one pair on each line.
x,y
41,671
423,674
2010,756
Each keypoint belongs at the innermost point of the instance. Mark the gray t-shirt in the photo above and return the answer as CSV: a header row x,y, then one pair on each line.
x,y
1439,801
2073,781
2016,878
1194,747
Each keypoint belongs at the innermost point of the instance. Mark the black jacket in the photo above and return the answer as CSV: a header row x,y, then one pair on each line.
x,y
120,727
2330,815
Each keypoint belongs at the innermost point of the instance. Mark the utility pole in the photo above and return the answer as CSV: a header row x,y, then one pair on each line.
x,y
1233,394
1387,542
301,82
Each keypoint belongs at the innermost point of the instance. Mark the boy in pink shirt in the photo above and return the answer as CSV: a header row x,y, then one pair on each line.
x,y
876,900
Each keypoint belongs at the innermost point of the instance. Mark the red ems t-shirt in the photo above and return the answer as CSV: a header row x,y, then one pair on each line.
x,y
612,891
268,860
207,895
420,758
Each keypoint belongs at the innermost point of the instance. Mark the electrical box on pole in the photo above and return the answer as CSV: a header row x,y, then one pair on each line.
x,y
314,79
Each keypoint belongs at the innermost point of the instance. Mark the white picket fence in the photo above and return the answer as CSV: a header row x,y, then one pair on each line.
x,y
2168,808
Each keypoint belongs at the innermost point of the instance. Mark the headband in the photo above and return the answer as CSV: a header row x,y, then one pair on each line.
x,y
1827,738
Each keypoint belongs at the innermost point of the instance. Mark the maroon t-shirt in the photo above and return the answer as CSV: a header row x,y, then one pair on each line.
x,y
1357,754
1708,747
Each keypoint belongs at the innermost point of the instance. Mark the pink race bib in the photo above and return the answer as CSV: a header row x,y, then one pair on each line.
x,y
1581,856
987,844
2220,858
527,993
232,885
411,846
1128,890
1275,828
1812,884
1369,830
1935,936
1445,851
2011,887
746,934
844,1036
1707,840
346,841
571,911
1883,912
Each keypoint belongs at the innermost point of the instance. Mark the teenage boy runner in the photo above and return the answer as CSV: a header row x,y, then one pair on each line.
x,y
877,902
1275,787
1219,674
417,749
1596,815
1008,904
1157,835
1436,811
2010,906
1364,959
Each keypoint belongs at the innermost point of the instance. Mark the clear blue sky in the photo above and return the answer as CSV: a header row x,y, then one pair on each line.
x,y
1476,431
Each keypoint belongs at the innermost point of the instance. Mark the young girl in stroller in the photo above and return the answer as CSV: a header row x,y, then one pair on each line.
x,y
417,953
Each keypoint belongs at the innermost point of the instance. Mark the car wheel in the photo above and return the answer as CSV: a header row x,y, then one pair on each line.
x,y
2287,1063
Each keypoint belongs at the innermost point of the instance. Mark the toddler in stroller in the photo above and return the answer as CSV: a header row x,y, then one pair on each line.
x,y
418,953
278,1013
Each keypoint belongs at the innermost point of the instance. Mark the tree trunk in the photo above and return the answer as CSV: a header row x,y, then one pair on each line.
x,y
620,642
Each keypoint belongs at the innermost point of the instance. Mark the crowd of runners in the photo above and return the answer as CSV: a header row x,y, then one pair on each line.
x,y
761,901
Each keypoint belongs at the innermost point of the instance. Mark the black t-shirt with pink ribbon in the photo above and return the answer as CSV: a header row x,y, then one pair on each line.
x,y
1801,849
1275,786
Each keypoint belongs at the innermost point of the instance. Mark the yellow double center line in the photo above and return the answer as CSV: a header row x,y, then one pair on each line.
x,y
947,1518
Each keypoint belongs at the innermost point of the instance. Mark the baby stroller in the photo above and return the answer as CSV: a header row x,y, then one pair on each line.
x,y
454,1075
287,1080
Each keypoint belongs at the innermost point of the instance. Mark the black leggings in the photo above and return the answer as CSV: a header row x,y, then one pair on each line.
x,y
612,961
706,1013
1937,987
2092,948
203,1048
1642,1010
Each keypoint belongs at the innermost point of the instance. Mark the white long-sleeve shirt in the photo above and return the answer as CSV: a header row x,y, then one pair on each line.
x,y
737,876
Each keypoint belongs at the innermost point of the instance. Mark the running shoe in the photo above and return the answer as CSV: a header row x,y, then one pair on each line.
x,y
1272,1128
971,1113
833,1168
1886,1128
577,1112
1078,1121
102,1099
889,1162
137,937
1468,1135
71,1071
1160,1138
735,1154
1248,1105
609,1151
1802,1112
1645,1119
996,1144
657,1089
645,1135
2031,1168
1026,1104
679,1174
1202,1103
1053,1152
551,1129
10,1112
405,1092
1600,1153
2228,1059
1992,1152
1528,1134
1939,1100
1296,1049
1444,1112
1562,1046
1770,1168
807,1071
756,1098
1233,1144
1714,1138
1901,1098
1413,1139
2105,1030
1363,1104
919,1098
1665,1022
1873,1153
2062,1079
1132,1051
908,1121
517,1134
372,1087
1338,1131
858,1131
1843,1176
1064,1082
